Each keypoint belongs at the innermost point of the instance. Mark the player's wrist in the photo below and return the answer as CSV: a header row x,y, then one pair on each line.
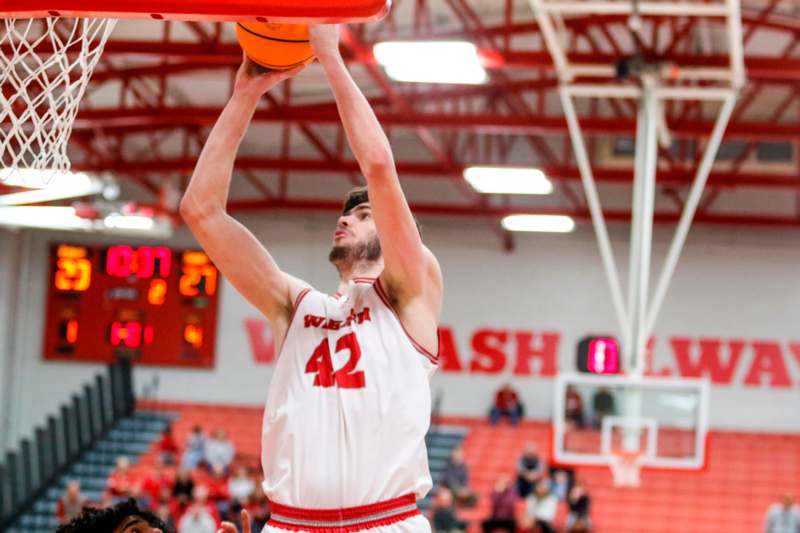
x,y
246,95
330,57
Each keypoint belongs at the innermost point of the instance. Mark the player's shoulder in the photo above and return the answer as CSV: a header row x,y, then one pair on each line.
x,y
298,289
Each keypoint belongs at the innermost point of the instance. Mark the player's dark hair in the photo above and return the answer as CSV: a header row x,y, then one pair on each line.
x,y
107,520
360,195
354,198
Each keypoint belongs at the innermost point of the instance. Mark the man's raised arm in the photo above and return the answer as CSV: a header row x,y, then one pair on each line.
x,y
410,269
235,251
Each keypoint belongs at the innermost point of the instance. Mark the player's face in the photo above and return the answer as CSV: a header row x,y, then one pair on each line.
x,y
355,237
356,229
357,226
135,524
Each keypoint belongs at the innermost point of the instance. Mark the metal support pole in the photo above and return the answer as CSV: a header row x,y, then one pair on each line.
x,y
698,9
689,209
629,340
651,112
735,43
593,201
550,38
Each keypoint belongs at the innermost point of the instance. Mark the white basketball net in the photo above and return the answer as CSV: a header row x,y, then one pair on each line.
x,y
625,467
45,65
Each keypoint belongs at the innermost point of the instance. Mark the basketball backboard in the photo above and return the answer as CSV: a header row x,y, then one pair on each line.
x,y
306,11
596,416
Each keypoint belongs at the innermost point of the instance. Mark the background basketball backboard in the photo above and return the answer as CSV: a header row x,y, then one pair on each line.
x,y
666,420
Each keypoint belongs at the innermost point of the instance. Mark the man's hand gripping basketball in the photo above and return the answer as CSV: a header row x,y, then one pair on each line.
x,y
252,79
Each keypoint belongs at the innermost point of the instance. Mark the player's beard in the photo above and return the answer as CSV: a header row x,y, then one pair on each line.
x,y
369,251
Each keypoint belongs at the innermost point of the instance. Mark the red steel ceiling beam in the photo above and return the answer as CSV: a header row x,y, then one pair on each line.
x,y
438,170
120,120
189,56
456,210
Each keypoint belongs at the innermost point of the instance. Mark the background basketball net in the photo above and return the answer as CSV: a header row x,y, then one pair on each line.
x,y
45,65
626,467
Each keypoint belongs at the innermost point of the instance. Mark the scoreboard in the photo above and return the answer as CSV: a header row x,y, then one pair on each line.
x,y
151,304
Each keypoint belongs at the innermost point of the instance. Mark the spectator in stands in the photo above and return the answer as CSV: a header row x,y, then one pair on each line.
x,y
157,478
142,498
219,451
443,513
167,447
578,502
578,526
603,405
184,487
503,516
241,486
195,452
456,478
71,503
529,470
164,513
165,498
218,493
197,519
122,481
559,484
541,507
506,403
783,517
258,507
124,517
573,407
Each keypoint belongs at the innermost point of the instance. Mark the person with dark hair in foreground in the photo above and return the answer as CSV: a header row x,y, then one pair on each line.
x,y
126,517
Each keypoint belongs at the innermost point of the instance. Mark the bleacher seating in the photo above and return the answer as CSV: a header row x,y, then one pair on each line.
x,y
745,472
130,436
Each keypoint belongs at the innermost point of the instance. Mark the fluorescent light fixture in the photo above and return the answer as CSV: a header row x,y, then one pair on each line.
x,y
46,217
65,218
130,222
508,180
431,61
60,187
40,179
541,223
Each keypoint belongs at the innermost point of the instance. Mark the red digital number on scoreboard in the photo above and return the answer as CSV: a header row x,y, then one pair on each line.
x,y
143,262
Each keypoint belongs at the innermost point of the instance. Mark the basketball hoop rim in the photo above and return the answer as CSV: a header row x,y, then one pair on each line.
x,y
628,456
310,11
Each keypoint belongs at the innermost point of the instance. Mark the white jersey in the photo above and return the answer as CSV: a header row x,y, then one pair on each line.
x,y
349,404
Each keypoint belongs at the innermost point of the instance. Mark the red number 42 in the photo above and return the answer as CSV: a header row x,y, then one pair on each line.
x,y
322,365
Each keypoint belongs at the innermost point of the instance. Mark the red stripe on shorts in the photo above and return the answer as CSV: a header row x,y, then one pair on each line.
x,y
346,520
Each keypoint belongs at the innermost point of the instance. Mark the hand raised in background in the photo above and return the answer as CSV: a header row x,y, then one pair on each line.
x,y
227,527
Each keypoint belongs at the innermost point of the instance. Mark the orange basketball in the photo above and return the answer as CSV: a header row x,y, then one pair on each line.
x,y
275,46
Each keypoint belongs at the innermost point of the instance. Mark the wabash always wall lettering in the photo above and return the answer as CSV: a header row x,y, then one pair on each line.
x,y
493,351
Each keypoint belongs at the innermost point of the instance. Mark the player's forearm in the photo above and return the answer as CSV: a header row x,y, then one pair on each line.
x,y
210,183
364,133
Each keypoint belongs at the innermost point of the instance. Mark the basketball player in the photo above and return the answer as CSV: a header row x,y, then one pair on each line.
x,y
348,407
124,517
